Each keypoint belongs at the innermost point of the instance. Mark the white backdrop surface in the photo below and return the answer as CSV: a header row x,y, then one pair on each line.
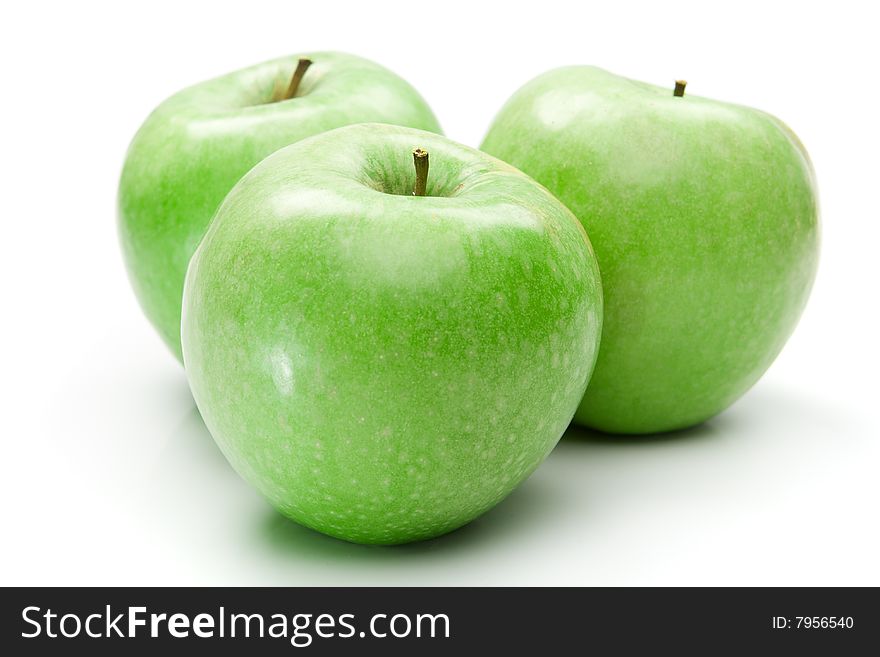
x,y
109,475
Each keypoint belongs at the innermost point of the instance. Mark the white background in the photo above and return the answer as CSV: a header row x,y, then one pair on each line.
x,y
109,475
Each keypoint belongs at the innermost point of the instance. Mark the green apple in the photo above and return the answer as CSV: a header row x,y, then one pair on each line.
x,y
705,223
197,144
383,366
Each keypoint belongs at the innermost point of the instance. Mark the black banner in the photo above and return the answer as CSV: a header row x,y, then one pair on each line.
x,y
277,621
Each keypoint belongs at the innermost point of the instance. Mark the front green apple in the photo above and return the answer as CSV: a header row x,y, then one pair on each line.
x,y
385,367
705,223
197,144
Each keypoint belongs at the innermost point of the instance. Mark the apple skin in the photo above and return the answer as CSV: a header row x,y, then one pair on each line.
x,y
383,367
197,144
705,223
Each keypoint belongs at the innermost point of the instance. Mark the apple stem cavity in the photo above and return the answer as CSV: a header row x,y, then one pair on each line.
x,y
301,67
679,88
420,160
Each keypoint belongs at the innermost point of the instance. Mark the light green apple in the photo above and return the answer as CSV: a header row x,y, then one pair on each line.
x,y
705,223
385,367
197,144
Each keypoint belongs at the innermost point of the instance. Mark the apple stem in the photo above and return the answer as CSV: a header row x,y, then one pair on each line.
x,y
679,88
420,159
301,67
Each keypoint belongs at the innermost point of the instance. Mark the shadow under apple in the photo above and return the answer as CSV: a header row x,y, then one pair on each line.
x,y
588,478
712,427
193,445
517,515
531,508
